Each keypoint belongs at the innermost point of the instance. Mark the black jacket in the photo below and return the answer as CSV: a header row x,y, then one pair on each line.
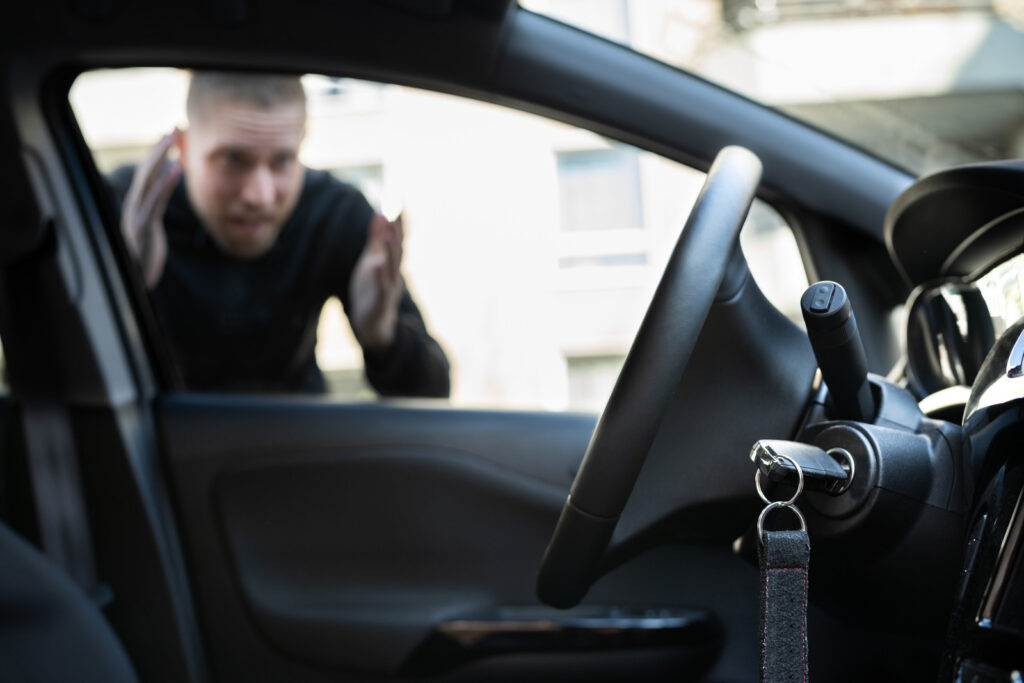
x,y
250,325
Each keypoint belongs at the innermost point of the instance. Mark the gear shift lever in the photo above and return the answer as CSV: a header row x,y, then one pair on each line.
x,y
832,330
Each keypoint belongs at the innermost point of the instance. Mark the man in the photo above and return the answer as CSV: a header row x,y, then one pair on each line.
x,y
240,246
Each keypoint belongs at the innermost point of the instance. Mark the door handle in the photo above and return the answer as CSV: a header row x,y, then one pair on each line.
x,y
538,629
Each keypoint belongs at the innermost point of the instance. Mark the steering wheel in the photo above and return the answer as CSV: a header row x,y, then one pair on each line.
x,y
649,378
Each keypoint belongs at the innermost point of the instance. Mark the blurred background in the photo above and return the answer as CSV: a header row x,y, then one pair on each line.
x,y
533,247
922,83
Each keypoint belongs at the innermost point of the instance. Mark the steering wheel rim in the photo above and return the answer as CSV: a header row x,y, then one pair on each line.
x,y
649,377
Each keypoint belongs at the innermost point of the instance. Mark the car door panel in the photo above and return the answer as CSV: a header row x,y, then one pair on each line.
x,y
336,538
369,546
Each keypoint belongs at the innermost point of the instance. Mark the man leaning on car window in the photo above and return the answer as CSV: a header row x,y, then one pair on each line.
x,y
240,246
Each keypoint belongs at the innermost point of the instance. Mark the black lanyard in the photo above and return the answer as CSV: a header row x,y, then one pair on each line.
x,y
783,557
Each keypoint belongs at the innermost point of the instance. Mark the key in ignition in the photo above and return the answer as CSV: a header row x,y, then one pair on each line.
x,y
830,472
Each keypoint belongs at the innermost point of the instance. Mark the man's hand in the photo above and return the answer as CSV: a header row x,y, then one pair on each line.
x,y
142,216
376,284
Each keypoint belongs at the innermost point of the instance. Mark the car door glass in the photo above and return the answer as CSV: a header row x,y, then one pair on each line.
x,y
531,247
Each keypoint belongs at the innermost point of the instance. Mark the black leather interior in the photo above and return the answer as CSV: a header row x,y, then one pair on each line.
x,y
51,631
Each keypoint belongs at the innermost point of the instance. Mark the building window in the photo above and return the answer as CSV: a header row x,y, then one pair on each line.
x,y
599,189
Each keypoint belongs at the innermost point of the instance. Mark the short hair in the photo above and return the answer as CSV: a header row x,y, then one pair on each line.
x,y
265,91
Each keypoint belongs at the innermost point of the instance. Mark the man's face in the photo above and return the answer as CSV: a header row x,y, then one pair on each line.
x,y
242,172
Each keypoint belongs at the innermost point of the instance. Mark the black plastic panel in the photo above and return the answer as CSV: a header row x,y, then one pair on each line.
x,y
928,223
327,541
371,546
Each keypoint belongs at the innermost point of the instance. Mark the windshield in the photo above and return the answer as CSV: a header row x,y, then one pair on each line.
x,y
924,84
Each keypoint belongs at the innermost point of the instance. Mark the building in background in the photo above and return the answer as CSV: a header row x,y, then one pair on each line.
x,y
533,247
905,79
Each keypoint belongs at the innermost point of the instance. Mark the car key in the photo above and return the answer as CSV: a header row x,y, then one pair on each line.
x,y
776,459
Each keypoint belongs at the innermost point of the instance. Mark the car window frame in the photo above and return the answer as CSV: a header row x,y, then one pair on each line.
x,y
156,370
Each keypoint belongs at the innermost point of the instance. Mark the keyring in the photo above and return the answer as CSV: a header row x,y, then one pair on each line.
x,y
799,483
771,506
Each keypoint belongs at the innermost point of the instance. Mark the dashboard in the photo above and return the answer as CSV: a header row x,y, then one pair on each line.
x,y
957,237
